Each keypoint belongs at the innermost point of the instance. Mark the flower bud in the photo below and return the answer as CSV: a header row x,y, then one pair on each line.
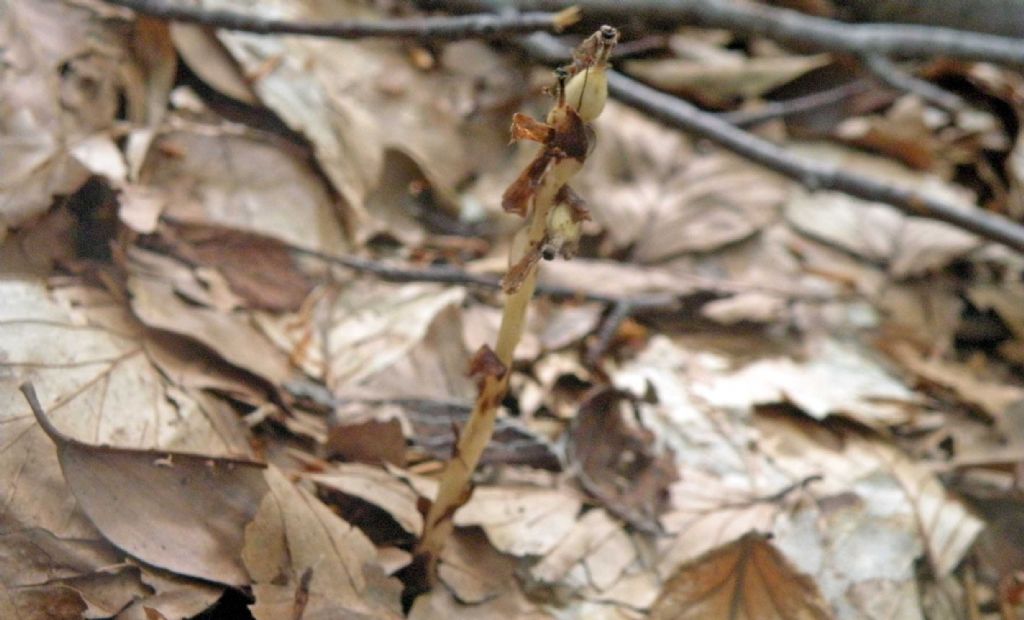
x,y
587,92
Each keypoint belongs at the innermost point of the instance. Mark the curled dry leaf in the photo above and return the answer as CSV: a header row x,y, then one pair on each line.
x,y
260,269
873,503
991,398
397,341
376,486
907,246
709,511
650,192
618,461
744,580
229,334
723,78
182,512
294,535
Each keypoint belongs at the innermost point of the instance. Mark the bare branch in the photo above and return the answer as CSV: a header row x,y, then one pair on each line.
x,y
797,105
435,28
814,175
790,27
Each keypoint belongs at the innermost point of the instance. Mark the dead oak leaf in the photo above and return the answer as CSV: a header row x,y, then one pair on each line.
x,y
744,580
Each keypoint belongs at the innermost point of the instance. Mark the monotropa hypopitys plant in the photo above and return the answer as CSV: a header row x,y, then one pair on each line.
x,y
553,214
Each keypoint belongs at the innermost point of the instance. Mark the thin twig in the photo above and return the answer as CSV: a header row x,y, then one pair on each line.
x,y
434,28
890,74
814,175
784,25
451,275
797,105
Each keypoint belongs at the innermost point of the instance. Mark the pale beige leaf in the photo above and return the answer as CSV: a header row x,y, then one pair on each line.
x,y
377,332
994,399
205,55
747,579
58,93
355,100
521,520
221,176
836,378
907,246
709,511
596,541
727,78
35,560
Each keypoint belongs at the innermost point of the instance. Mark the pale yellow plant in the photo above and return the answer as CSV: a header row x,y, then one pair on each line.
x,y
554,213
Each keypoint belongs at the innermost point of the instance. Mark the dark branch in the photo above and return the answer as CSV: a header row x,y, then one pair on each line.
x,y
890,74
798,105
450,275
435,28
790,27
814,175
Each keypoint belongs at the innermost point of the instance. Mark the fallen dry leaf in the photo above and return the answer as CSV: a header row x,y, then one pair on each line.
x,y
473,570
725,78
906,246
392,341
229,334
675,202
258,268
294,535
60,96
992,398
376,486
747,579
34,564
837,378
220,175
598,544
521,520
182,512
88,360
617,459
708,511
355,100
